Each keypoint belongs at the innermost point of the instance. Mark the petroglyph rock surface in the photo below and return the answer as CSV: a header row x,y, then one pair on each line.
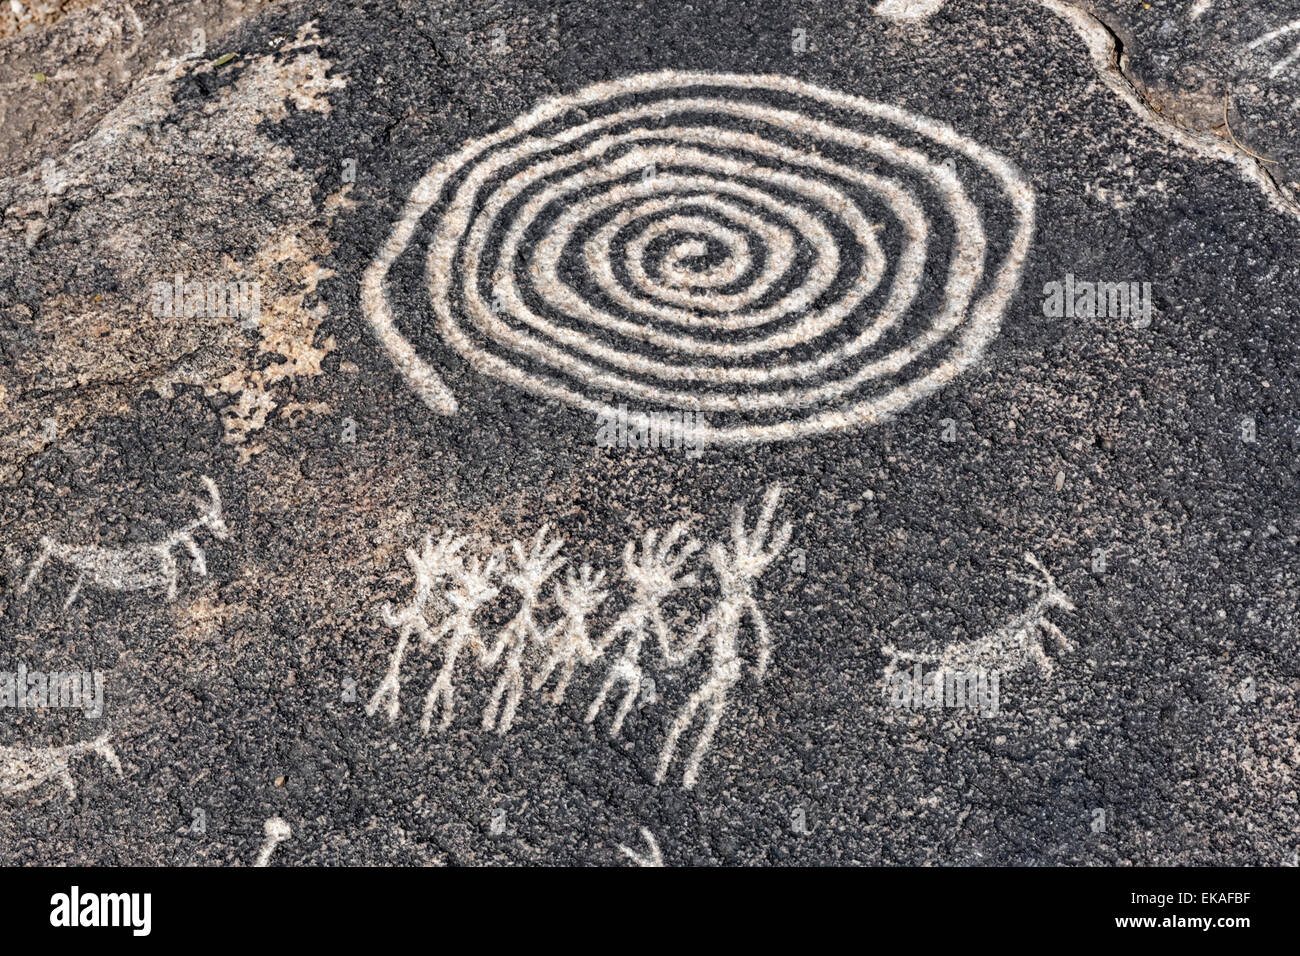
x,y
511,433
1229,71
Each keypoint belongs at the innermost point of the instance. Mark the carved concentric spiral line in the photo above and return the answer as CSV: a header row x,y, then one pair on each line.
x,y
783,259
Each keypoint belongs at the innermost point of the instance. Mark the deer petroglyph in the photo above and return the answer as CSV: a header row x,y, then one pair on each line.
x,y
23,768
139,567
1011,647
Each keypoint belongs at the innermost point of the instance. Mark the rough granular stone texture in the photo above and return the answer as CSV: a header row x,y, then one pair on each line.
x,y
1148,716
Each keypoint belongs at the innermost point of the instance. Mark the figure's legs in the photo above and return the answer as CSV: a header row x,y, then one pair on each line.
x,y
1032,649
897,657
169,574
1063,643
489,658
562,686
494,704
764,637
65,778
611,678
544,674
683,720
633,680
515,692
441,689
390,686
448,707
717,703
105,750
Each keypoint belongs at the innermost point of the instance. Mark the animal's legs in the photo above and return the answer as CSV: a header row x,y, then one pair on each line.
x,y
200,564
76,589
47,545
169,574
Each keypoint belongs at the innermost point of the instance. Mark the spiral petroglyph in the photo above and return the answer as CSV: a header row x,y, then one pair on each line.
x,y
777,258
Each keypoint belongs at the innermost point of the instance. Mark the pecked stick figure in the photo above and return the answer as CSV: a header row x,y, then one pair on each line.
x,y
431,566
737,569
532,572
473,589
568,639
654,577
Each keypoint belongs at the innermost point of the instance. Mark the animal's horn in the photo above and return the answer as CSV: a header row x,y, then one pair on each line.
x,y
213,494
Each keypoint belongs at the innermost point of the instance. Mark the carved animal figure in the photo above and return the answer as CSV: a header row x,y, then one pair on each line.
x,y
138,567
23,768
